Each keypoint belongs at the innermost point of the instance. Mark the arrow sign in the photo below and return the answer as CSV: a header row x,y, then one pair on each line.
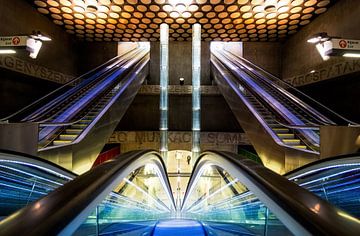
x,y
13,41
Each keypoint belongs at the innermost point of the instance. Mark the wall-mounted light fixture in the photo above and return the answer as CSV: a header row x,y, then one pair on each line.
x,y
181,81
32,43
334,46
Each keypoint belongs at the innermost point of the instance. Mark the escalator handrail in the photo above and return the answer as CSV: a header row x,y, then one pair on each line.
x,y
308,110
14,156
71,122
347,159
301,211
62,211
103,76
350,123
5,119
134,72
261,119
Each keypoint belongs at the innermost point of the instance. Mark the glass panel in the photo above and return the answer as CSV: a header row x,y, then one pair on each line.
x,y
22,183
226,206
133,207
339,184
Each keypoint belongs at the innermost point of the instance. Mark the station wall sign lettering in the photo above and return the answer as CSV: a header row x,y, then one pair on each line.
x,y
325,73
25,67
178,137
178,89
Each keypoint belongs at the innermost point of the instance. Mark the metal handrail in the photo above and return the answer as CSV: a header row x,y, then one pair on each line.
x,y
96,78
350,123
24,158
63,86
301,211
216,63
307,109
71,122
62,211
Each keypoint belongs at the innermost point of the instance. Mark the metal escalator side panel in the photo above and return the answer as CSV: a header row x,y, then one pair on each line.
x,y
301,211
75,85
80,154
47,132
271,100
62,211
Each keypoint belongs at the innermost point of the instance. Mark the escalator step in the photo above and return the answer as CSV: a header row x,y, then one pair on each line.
x,y
87,121
280,130
300,146
288,136
61,142
291,141
79,126
68,136
73,131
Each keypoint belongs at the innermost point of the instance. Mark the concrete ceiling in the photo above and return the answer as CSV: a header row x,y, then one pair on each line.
x,y
139,20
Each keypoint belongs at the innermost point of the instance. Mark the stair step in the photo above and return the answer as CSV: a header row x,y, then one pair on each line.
x,y
280,130
79,126
288,136
291,141
68,136
61,142
73,131
87,121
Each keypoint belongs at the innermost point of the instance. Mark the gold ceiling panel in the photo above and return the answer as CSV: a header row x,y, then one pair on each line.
x,y
139,20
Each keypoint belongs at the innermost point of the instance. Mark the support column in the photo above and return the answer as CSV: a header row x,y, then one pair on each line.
x,y
196,93
164,81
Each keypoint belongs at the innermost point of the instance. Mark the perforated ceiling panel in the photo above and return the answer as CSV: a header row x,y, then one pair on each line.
x,y
139,20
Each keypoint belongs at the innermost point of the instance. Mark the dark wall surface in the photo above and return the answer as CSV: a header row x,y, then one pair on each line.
x,y
18,90
180,58
144,114
267,55
64,54
341,20
19,17
340,95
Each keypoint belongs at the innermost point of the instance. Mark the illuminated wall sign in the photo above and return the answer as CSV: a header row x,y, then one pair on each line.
x,y
340,47
13,41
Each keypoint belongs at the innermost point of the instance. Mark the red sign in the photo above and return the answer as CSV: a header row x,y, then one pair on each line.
x,y
343,43
15,40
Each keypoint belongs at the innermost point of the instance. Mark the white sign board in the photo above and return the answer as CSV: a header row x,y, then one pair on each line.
x,y
13,41
345,44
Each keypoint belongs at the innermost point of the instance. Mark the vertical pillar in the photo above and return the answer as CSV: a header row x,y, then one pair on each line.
x,y
196,95
164,77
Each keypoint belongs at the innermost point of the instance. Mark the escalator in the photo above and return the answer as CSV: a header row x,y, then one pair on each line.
x,y
287,128
226,195
75,121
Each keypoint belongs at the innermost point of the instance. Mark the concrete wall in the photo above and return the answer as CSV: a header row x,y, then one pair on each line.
x,y
64,55
180,54
93,54
335,82
143,114
18,17
299,57
264,54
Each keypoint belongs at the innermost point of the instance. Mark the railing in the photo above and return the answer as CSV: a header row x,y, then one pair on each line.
x,y
62,211
62,89
302,212
264,75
